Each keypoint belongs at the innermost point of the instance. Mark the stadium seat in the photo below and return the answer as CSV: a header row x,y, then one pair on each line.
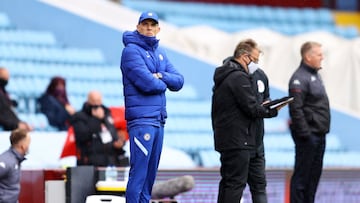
x,y
209,158
189,124
27,37
194,108
51,54
187,92
4,21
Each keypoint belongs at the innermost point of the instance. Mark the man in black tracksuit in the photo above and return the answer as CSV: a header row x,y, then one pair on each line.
x,y
310,122
256,176
234,112
96,137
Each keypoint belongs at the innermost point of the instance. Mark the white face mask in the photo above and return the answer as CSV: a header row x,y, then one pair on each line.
x,y
252,67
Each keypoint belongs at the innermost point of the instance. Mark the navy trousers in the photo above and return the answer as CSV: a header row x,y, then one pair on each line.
x,y
145,150
309,154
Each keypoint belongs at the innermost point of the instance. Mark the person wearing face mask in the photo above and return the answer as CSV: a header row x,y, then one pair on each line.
x,y
256,176
10,165
55,105
96,137
8,118
310,122
237,120
147,74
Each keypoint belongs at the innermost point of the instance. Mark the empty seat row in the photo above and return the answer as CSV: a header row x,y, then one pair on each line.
x,y
284,142
27,37
231,12
37,121
51,54
282,27
196,108
278,159
234,18
279,148
68,71
189,142
202,123
189,124
35,86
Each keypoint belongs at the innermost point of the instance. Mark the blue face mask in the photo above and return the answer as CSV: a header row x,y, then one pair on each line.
x,y
252,67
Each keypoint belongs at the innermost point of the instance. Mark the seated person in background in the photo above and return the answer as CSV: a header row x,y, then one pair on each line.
x,y
55,104
8,119
96,137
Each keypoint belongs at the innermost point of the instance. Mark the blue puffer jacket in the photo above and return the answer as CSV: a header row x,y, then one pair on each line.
x,y
144,94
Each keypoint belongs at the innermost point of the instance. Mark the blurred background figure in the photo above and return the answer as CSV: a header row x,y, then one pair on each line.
x,y
10,165
96,137
55,105
8,118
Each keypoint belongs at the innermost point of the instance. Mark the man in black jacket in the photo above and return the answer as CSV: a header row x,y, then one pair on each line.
x,y
310,122
234,112
8,118
256,176
95,134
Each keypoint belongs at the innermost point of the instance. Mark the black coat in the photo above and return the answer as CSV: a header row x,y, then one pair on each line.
x,y
8,118
87,129
235,108
261,84
310,110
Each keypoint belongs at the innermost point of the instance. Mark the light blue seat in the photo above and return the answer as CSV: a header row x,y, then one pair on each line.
x,y
189,124
324,17
113,101
276,125
209,158
76,87
266,13
191,142
279,14
294,16
188,108
187,92
279,159
286,29
51,54
4,20
343,159
76,100
22,86
333,143
27,37
309,16
348,32
278,142
284,142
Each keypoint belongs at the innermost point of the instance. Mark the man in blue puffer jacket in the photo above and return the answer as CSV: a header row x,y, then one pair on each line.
x,y
147,73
